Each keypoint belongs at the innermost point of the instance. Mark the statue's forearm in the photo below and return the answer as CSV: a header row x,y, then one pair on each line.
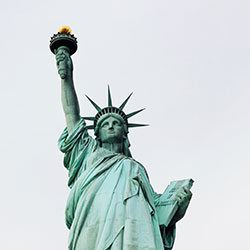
x,y
70,103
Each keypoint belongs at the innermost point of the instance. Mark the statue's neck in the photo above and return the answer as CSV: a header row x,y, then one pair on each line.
x,y
116,147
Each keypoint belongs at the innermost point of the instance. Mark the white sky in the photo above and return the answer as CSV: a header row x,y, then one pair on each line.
x,y
187,62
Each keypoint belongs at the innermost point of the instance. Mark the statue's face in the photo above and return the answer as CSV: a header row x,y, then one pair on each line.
x,y
111,130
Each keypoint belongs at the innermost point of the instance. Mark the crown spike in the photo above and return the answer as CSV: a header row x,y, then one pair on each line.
x,y
134,113
89,118
109,98
133,125
125,102
94,104
90,127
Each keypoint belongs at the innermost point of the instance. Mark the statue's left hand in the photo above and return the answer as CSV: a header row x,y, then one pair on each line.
x,y
183,197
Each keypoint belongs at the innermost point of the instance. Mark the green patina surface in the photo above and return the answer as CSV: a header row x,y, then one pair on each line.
x,y
111,204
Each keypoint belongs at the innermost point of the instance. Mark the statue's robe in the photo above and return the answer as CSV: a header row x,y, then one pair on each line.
x,y
111,205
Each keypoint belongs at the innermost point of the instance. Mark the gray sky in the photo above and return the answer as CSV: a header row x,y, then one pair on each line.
x,y
188,64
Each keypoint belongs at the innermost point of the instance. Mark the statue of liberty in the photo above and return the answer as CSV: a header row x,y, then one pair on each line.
x,y
111,205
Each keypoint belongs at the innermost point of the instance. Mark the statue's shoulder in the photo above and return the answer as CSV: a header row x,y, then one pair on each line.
x,y
134,163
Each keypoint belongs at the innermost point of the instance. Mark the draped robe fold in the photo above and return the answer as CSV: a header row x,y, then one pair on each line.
x,y
111,205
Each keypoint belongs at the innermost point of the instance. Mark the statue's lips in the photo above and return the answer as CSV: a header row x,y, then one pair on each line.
x,y
111,132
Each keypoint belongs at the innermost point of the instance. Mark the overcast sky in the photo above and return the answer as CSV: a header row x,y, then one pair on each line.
x,y
188,64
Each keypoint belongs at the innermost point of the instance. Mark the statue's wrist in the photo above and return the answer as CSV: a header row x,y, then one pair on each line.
x,y
67,77
70,74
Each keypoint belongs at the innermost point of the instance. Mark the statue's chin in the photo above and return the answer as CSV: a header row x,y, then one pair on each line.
x,y
112,139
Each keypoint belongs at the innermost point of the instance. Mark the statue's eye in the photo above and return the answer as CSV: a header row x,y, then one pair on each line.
x,y
105,124
116,123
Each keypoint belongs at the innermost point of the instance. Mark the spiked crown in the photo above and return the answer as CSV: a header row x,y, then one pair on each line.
x,y
112,110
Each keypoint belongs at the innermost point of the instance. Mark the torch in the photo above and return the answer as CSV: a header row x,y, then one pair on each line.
x,y
63,40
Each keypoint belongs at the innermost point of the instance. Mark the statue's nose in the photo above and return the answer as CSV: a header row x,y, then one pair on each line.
x,y
111,125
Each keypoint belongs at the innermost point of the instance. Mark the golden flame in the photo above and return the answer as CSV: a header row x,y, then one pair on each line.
x,y
65,29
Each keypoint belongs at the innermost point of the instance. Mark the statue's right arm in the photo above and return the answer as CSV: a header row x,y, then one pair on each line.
x,y
68,94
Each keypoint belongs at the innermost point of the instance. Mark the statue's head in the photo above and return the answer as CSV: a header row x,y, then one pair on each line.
x,y
111,123
111,128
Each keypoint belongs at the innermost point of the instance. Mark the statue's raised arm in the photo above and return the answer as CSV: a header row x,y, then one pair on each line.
x,y
68,94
